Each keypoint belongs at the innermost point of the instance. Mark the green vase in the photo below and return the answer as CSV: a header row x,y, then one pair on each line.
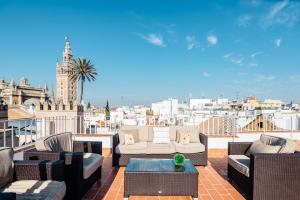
x,y
179,159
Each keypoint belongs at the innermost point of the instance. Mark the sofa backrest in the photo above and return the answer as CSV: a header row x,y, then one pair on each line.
x,y
142,133
56,143
172,130
6,166
146,133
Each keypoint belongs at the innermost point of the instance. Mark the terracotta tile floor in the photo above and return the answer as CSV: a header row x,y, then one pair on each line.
x,y
213,184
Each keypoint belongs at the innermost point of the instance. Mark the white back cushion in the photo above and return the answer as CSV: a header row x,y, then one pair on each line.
x,y
161,135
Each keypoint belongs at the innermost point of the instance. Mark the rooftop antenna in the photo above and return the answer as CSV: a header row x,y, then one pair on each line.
x,y
237,96
202,95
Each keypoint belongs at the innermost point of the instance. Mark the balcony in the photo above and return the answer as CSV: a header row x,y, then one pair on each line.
x,y
213,180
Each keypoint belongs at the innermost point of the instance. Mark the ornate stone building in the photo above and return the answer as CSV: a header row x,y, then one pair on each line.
x,y
66,90
63,113
22,93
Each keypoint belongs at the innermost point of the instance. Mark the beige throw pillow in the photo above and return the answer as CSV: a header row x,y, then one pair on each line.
x,y
194,134
129,139
260,147
133,132
184,139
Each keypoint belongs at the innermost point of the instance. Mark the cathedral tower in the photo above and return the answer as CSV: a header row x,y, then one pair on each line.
x,y
66,90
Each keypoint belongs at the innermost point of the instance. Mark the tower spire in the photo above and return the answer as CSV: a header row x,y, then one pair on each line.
x,y
67,53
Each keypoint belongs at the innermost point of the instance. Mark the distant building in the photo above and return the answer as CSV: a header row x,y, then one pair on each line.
x,y
199,104
250,103
23,93
66,90
3,112
271,104
63,108
165,108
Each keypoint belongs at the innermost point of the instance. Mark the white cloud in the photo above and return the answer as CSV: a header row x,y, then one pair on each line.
x,y
254,2
227,55
295,78
277,42
191,42
244,20
235,59
253,64
212,39
205,74
256,54
155,39
282,13
262,78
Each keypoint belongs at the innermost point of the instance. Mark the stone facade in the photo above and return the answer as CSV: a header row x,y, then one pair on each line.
x,y
22,93
54,118
3,113
66,90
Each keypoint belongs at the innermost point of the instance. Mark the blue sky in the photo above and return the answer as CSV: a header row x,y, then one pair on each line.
x,y
146,51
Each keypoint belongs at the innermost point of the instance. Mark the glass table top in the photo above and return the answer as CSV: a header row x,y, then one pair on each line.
x,y
158,165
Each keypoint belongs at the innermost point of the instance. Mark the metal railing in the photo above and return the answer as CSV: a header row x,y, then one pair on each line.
x,y
21,132
16,133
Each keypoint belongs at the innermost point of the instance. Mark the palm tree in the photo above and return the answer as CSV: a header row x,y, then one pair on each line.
x,y
82,70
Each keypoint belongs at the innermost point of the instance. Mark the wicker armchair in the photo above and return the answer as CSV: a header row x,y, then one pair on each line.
x,y
271,176
80,161
24,177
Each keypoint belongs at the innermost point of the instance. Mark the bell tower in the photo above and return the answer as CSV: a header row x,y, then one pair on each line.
x,y
66,90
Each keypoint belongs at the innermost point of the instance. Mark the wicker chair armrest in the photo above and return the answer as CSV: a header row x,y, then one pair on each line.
x,y
115,142
274,176
39,170
238,148
8,196
68,157
88,146
203,139
42,155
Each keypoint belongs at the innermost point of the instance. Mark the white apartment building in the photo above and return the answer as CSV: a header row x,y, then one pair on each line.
x,y
165,108
222,101
199,104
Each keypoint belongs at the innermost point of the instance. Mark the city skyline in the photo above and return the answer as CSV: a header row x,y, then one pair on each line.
x,y
146,53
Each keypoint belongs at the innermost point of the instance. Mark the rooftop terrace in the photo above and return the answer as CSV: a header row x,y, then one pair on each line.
x,y
213,182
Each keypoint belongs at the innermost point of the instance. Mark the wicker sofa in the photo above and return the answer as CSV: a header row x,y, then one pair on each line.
x,y
82,159
30,179
196,150
273,175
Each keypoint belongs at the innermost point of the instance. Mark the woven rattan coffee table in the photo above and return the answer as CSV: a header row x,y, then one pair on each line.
x,y
160,177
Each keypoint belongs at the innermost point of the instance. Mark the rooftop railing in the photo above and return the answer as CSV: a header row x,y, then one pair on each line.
x,y
18,133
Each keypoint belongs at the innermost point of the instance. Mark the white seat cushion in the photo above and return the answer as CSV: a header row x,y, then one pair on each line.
x,y
240,162
33,189
189,148
153,148
136,148
91,162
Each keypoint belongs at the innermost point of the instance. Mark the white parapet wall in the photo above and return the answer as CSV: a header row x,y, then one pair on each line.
x,y
105,139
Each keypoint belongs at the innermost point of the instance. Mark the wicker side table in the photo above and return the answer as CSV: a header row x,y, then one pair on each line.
x,y
160,177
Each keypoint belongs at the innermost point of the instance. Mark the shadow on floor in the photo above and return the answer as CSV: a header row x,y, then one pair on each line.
x,y
220,166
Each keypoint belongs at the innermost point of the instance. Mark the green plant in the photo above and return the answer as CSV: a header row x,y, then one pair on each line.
x,y
82,70
179,159
107,111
